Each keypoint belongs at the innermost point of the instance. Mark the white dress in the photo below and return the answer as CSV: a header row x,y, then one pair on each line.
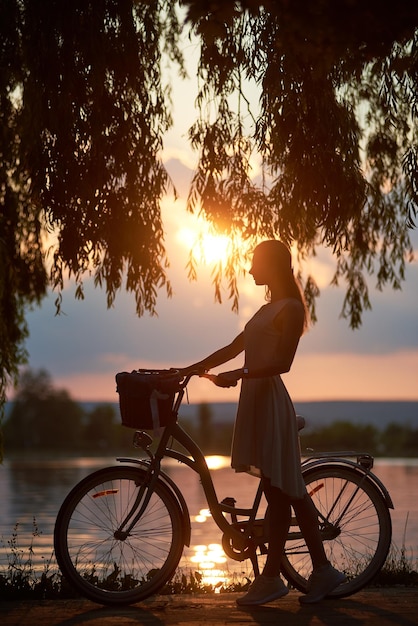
x,y
265,435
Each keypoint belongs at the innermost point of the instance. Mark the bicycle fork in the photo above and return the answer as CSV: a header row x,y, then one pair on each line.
x,y
139,506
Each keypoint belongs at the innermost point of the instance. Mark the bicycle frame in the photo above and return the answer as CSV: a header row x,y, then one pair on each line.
x,y
197,462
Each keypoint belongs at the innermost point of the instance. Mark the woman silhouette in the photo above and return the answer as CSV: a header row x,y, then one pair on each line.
x,y
265,441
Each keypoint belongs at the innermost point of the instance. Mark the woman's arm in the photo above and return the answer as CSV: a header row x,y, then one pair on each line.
x,y
219,357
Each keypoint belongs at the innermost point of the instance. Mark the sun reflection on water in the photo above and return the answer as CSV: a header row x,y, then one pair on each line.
x,y
216,461
209,559
202,516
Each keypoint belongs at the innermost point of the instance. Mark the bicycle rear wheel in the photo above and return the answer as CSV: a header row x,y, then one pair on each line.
x,y
112,570
355,524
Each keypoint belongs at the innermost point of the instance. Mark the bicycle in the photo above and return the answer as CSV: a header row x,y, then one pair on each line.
x,y
120,532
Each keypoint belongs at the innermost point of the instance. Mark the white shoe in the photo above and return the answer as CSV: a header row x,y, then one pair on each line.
x,y
262,590
321,583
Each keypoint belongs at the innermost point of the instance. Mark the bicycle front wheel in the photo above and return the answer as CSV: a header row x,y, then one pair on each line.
x,y
355,525
106,566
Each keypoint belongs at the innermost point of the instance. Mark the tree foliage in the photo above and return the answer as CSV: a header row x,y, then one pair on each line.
x,y
395,440
336,131
84,107
83,113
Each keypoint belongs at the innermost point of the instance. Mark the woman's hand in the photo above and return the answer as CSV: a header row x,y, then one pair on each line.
x,y
225,379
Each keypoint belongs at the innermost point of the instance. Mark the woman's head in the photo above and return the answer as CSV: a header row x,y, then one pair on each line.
x,y
272,266
271,260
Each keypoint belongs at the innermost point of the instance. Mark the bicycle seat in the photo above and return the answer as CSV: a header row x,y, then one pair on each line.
x,y
301,422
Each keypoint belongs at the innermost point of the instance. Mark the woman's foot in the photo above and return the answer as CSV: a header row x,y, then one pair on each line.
x,y
264,589
321,583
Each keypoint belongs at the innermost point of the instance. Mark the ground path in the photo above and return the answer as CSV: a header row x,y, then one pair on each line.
x,y
379,607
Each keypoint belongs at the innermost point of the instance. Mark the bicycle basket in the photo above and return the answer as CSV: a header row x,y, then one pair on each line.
x,y
146,397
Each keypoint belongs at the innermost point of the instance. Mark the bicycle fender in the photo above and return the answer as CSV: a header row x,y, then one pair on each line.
x,y
187,529
361,471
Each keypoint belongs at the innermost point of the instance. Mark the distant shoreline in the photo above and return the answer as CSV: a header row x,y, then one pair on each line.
x,y
322,413
378,413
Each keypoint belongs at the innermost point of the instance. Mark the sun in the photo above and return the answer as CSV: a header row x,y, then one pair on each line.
x,y
207,247
214,248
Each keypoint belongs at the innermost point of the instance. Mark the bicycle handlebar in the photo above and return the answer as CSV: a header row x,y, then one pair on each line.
x,y
214,378
184,380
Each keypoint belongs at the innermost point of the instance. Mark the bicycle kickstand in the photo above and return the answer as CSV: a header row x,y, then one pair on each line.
x,y
254,562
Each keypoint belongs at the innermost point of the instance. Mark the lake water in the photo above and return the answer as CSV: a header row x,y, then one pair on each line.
x,y
31,493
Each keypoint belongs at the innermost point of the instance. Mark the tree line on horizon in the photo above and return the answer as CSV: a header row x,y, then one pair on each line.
x,y
43,418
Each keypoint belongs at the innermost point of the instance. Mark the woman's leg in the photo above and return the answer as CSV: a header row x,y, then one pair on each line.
x,y
324,577
269,586
308,523
279,522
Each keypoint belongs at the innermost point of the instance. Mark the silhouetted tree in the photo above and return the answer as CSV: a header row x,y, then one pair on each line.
x,y
84,108
100,430
43,417
342,436
399,440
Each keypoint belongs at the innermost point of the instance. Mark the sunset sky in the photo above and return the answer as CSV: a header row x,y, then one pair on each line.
x,y
87,345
